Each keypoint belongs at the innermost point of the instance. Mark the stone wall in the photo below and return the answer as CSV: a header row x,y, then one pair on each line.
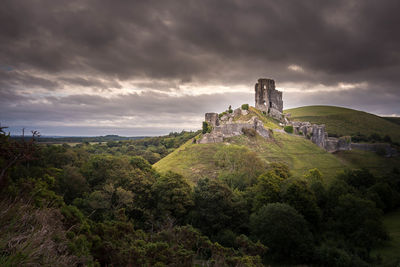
x,y
319,135
230,129
333,144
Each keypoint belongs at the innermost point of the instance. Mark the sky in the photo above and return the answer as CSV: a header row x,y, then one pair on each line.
x,y
93,67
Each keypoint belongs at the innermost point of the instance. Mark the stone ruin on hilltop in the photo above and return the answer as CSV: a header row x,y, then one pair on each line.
x,y
269,101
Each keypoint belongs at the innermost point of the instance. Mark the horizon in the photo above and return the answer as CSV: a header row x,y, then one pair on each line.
x,y
149,68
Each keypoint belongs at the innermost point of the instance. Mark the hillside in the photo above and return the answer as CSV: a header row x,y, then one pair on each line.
x,y
345,121
395,120
195,161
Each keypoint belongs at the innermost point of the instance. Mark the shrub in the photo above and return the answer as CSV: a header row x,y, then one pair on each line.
x,y
230,109
222,114
381,151
288,129
206,128
300,133
387,139
245,106
375,138
250,132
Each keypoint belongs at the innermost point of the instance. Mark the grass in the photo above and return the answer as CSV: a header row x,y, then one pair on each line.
x,y
389,251
195,161
393,119
377,164
345,121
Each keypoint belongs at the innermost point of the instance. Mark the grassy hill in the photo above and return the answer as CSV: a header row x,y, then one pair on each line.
x,y
393,119
195,161
345,121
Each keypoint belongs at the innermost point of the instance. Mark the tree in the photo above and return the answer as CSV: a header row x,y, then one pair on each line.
x,y
216,207
173,195
358,221
13,152
72,183
284,231
299,196
267,190
360,179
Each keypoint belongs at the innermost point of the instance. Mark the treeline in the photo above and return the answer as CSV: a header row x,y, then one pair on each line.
x,y
79,139
80,206
150,148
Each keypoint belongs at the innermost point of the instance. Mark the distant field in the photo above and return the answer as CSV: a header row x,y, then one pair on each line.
x,y
390,251
344,121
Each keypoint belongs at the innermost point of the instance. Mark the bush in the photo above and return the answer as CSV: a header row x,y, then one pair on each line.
x,y
281,228
245,106
206,128
250,132
222,114
387,139
230,109
375,138
288,129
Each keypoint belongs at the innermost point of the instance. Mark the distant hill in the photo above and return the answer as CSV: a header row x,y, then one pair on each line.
x,y
344,121
393,119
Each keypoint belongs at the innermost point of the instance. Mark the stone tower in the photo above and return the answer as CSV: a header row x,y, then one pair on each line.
x,y
268,99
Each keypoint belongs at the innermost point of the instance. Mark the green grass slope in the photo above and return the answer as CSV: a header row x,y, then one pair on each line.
x,y
345,121
196,161
395,120
377,164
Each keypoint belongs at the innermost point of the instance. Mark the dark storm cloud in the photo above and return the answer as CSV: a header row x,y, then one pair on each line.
x,y
183,39
54,44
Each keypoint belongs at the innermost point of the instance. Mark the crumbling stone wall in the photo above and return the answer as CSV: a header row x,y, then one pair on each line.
x,y
319,135
212,119
226,127
333,144
268,99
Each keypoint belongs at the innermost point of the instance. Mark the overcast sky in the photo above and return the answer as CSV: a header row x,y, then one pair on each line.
x,y
150,67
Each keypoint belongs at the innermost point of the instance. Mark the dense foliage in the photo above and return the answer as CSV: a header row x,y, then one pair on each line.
x,y
104,204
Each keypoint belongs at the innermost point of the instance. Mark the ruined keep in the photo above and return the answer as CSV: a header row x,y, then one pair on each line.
x,y
268,99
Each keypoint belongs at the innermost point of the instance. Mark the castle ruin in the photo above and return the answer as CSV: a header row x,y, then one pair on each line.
x,y
268,99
